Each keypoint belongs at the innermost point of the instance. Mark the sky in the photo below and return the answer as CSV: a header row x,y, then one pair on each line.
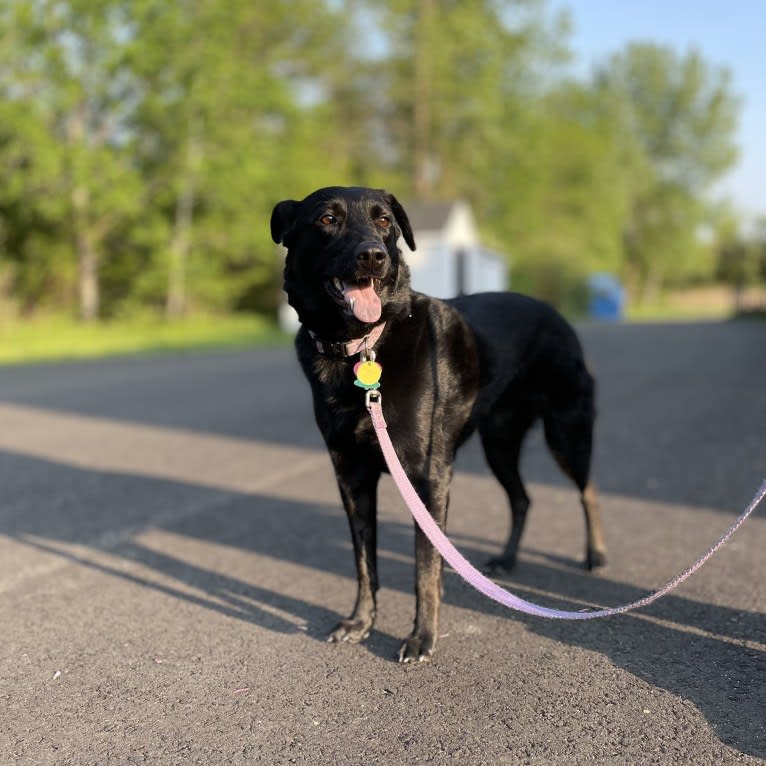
x,y
730,33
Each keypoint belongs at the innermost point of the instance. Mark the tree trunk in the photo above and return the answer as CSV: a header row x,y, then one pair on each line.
x,y
180,241
424,160
651,288
83,234
175,301
89,293
87,257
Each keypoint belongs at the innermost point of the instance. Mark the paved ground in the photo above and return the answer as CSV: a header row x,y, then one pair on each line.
x,y
172,554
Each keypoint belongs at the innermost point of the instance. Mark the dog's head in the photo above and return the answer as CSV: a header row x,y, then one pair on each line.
x,y
343,271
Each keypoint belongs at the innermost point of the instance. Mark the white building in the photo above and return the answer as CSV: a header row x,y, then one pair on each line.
x,y
449,260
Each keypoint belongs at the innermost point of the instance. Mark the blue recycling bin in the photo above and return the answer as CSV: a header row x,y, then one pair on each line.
x,y
606,297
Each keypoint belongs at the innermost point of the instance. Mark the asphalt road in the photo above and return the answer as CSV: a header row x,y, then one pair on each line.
x,y
173,553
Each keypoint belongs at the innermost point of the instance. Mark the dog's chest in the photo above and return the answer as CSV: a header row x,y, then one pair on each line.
x,y
332,373
340,410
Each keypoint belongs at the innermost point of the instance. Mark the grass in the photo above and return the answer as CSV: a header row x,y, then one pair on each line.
x,y
61,338
668,311
52,338
711,302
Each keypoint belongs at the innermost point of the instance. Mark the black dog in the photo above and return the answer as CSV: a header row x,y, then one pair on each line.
x,y
493,361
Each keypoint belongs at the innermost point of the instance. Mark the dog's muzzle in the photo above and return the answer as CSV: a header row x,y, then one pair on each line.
x,y
359,295
371,257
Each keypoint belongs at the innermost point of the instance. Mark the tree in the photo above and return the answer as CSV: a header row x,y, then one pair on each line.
x,y
143,143
677,115
144,140
224,126
65,76
567,196
740,252
458,77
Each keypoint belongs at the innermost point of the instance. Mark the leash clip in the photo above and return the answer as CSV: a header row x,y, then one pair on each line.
x,y
372,396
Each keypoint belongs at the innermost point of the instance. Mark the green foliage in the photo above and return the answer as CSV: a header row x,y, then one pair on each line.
x,y
740,257
48,337
143,143
676,116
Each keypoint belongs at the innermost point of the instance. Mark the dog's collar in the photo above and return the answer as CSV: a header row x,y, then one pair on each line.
x,y
348,347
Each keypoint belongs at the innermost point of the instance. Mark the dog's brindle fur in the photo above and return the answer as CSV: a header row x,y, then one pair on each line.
x,y
496,362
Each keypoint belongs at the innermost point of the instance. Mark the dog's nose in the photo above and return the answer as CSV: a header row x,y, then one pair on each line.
x,y
371,256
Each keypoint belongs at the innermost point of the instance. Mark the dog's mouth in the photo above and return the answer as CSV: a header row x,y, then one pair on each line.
x,y
360,298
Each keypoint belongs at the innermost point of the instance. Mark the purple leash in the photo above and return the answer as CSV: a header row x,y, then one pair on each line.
x,y
482,583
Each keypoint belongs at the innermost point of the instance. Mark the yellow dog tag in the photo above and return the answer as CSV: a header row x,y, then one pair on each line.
x,y
367,374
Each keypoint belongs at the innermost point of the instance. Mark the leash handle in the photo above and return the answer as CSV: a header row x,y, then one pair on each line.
x,y
482,583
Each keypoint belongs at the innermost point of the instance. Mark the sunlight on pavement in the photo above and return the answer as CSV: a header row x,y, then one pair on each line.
x,y
100,444
268,471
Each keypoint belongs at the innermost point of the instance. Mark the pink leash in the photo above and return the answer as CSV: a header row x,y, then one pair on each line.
x,y
483,584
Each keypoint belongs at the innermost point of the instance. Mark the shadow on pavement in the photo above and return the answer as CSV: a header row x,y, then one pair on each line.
x,y
672,399
681,420
664,645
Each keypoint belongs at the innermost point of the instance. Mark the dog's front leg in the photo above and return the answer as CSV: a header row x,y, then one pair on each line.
x,y
420,645
359,495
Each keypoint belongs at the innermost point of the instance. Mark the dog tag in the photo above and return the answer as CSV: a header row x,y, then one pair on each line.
x,y
367,374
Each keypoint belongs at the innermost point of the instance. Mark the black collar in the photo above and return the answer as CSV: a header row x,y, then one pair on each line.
x,y
344,348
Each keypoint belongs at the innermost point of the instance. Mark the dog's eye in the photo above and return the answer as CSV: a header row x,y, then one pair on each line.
x,y
384,221
328,220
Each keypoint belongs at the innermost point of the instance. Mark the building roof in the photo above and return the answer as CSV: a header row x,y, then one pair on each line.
x,y
428,216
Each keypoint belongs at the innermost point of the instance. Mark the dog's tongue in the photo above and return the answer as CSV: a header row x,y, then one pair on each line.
x,y
364,301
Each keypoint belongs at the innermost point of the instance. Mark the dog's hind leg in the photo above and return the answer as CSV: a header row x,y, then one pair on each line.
x,y
569,434
501,438
595,553
359,494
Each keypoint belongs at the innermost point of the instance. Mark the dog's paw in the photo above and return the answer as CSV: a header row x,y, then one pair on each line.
x,y
418,648
350,631
594,560
500,565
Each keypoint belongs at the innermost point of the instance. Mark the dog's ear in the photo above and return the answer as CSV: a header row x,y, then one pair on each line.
x,y
402,221
282,219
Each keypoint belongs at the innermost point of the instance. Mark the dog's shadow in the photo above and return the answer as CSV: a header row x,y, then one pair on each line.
x,y
709,654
